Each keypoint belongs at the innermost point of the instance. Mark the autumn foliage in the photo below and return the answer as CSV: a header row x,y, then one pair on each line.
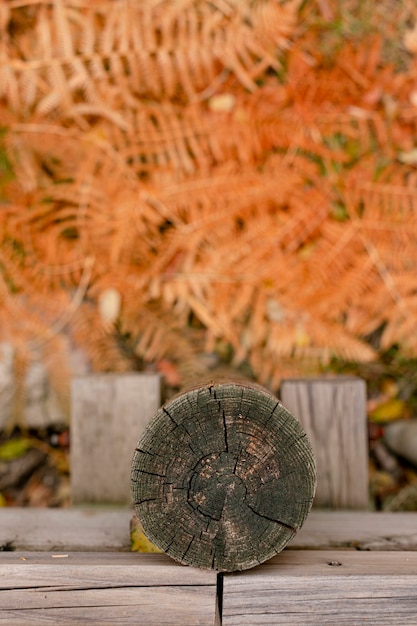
x,y
190,176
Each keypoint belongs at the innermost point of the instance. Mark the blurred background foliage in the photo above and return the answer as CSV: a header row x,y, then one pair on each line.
x,y
199,186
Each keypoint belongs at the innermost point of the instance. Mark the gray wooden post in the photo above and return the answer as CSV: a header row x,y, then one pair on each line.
x,y
107,413
333,414
223,477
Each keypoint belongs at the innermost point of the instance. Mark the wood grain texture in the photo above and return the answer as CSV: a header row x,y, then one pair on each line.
x,y
333,414
363,530
108,530
296,587
223,477
104,589
324,588
108,412
86,529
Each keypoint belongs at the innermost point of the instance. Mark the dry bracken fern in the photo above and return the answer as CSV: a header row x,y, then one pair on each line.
x,y
231,173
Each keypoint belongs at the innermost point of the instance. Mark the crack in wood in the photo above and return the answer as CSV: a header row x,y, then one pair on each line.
x,y
142,471
212,391
272,412
68,588
271,519
146,452
170,416
139,502
188,547
225,432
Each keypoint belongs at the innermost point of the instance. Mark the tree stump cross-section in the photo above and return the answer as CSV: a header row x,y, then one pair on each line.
x,y
223,477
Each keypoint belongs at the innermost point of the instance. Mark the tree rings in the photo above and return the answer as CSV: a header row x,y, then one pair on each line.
x,y
223,477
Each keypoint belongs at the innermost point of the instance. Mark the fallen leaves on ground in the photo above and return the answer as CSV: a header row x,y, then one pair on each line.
x,y
34,469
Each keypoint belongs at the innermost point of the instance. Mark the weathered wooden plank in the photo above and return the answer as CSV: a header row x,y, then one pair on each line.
x,y
175,606
333,414
65,529
364,530
104,588
96,569
108,413
324,588
108,530
303,563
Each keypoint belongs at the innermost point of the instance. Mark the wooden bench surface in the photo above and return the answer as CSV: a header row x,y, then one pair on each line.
x,y
95,529
73,566
324,587
112,588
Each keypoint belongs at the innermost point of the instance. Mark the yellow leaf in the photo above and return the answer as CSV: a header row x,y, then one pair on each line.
x,y
139,541
388,411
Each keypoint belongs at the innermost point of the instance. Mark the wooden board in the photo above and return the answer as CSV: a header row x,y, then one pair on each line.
x,y
333,414
108,530
297,587
324,588
108,414
363,530
88,529
74,588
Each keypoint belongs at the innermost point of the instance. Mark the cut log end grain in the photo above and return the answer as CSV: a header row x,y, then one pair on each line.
x,y
223,477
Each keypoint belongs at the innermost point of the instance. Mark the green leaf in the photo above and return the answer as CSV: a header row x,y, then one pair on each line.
x,y
13,449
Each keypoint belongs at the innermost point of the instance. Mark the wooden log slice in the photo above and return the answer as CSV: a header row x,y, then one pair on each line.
x,y
223,477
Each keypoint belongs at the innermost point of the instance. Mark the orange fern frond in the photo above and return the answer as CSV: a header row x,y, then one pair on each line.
x,y
83,54
226,171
